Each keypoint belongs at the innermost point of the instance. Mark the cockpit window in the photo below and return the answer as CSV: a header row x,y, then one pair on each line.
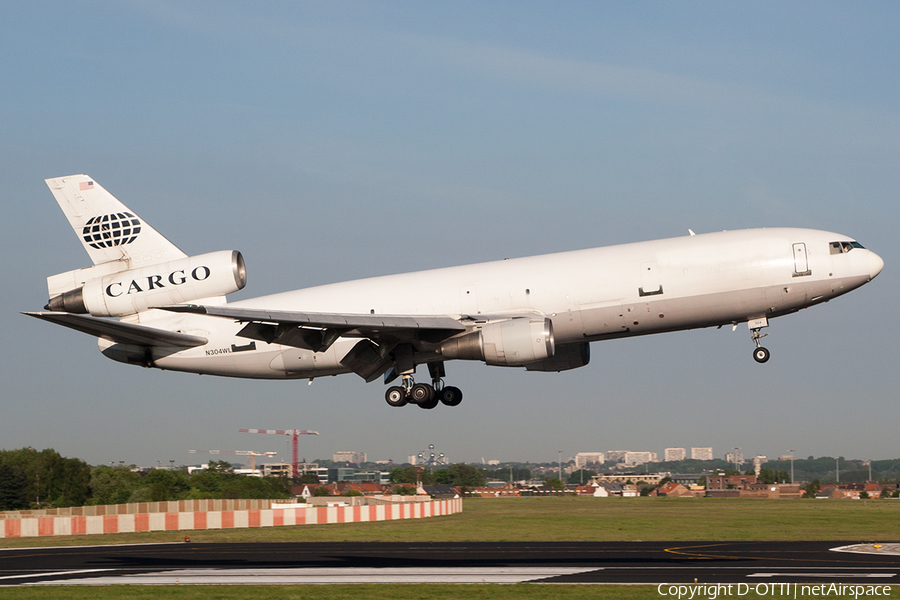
x,y
843,247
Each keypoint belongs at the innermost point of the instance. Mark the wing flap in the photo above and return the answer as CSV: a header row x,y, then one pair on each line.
x,y
121,333
317,331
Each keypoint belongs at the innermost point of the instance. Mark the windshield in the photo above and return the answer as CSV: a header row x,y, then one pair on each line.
x,y
843,247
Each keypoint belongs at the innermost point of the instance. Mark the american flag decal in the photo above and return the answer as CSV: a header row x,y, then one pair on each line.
x,y
86,185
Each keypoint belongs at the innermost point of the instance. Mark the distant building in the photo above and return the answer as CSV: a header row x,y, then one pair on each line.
x,y
673,454
639,458
321,473
729,482
701,453
381,477
758,461
734,458
687,479
349,456
672,490
340,474
616,456
276,469
746,486
851,490
584,459
651,478
493,462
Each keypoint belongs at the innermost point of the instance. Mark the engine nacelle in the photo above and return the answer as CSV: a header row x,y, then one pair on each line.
x,y
164,284
567,356
508,343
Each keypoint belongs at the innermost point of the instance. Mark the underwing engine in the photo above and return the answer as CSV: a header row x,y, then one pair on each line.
x,y
507,343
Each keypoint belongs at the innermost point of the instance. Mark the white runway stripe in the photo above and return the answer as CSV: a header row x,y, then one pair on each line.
x,y
330,575
53,573
821,574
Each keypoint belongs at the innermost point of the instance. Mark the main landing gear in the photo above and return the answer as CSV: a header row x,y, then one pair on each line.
x,y
424,395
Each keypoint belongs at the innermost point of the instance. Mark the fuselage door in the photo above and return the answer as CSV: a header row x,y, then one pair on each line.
x,y
468,300
801,260
649,280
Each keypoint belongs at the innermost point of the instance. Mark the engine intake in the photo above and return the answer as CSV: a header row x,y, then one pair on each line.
x,y
175,282
508,343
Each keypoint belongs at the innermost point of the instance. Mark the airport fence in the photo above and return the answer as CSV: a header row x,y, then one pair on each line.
x,y
230,514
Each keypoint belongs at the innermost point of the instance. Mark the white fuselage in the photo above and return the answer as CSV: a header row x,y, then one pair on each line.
x,y
589,295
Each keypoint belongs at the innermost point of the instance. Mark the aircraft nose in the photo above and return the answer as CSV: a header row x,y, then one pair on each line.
x,y
876,264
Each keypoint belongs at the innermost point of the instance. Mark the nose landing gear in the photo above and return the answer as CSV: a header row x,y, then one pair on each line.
x,y
760,354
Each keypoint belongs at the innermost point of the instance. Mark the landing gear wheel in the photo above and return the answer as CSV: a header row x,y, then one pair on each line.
x,y
760,355
451,396
396,396
430,403
421,393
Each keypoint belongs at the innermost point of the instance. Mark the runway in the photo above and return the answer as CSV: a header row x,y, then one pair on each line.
x,y
458,562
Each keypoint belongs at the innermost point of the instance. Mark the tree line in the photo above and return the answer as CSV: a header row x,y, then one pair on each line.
x,y
32,478
458,475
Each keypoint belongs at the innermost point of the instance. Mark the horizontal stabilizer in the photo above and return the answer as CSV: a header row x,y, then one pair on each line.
x,y
121,333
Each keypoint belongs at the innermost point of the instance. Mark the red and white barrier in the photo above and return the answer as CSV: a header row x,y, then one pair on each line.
x,y
225,519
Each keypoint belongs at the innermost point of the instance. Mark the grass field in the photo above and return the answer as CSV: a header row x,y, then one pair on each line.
x,y
575,519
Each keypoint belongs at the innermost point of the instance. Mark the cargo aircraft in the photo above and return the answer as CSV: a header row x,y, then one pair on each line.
x,y
539,312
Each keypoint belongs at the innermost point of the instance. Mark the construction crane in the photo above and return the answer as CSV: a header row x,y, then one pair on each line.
x,y
291,432
249,453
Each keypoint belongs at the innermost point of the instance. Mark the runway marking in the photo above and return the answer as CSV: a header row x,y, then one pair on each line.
x,y
726,554
822,575
54,573
330,575
884,550
91,546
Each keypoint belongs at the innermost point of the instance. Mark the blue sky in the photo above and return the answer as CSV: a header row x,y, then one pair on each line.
x,y
332,141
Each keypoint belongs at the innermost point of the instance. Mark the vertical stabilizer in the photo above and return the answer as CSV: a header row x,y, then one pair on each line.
x,y
107,229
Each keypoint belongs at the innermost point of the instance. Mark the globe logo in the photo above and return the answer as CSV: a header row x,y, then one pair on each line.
x,y
106,231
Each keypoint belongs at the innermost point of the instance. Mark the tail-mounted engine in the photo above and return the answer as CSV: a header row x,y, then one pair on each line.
x,y
135,290
508,343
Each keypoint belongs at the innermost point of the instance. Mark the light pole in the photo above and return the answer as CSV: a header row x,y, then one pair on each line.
x,y
560,465
792,465
870,469
837,470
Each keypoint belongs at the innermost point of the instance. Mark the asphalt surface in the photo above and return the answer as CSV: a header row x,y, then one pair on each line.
x,y
545,562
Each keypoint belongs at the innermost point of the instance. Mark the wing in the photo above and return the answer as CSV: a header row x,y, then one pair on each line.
x,y
121,333
369,358
318,331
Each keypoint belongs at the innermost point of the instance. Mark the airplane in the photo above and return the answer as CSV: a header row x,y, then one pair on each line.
x,y
538,312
